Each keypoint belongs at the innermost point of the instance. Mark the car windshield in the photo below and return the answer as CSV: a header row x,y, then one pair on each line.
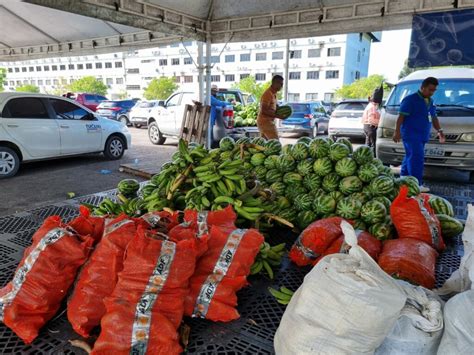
x,y
351,106
300,108
457,92
230,97
108,104
146,104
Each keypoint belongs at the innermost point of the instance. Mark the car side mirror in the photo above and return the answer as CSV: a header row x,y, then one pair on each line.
x,y
90,117
161,103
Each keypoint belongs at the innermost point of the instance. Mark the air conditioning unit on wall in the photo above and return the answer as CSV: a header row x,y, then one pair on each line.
x,y
273,44
311,40
293,41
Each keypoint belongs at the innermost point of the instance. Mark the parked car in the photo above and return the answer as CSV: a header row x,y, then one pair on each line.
x,y
346,119
91,101
39,127
165,121
142,111
307,118
235,96
116,110
454,100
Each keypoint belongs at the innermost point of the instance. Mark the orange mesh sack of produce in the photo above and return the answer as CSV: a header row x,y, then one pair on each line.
x,y
146,307
99,275
85,224
162,220
414,218
43,277
409,259
314,240
221,272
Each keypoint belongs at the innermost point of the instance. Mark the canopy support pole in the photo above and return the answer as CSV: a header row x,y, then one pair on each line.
x,y
208,81
200,68
287,70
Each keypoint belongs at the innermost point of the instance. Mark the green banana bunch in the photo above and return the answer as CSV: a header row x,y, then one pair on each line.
x,y
282,296
107,207
268,258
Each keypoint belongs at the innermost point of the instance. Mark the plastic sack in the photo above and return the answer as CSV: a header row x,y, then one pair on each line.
x,y
314,240
346,305
411,260
146,307
221,272
85,224
43,277
413,217
419,327
162,220
99,275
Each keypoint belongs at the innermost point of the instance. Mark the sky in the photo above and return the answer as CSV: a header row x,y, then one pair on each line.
x,y
387,57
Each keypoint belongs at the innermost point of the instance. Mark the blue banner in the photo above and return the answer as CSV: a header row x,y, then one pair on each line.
x,y
442,38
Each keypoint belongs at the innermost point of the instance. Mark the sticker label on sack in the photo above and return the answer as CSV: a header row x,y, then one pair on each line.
x,y
202,223
113,227
51,237
151,219
306,251
156,282
430,221
209,287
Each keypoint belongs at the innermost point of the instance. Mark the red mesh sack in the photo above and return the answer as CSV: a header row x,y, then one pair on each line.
x,y
43,277
414,218
221,272
409,259
99,275
161,220
85,224
146,307
314,240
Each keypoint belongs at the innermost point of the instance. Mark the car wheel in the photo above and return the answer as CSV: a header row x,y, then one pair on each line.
x,y
124,120
9,162
137,125
314,131
114,148
155,135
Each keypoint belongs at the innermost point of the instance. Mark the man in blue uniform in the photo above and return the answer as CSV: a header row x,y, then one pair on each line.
x,y
417,115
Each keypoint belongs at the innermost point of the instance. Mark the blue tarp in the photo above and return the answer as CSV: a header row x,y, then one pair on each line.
x,y
443,38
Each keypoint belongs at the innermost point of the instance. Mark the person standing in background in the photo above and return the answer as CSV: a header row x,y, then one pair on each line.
x,y
267,113
370,120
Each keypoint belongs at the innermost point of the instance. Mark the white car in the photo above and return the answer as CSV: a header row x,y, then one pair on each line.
x,y
40,127
140,113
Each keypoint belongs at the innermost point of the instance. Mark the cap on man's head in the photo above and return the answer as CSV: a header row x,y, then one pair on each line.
x,y
214,88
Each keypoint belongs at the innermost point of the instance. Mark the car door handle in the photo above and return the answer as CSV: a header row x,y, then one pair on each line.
x,y
12,125
64,126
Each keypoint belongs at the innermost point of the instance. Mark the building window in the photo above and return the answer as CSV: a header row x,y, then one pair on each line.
x,y
188,60
109,81
295,75
17,70
55,82
119,81
177,79
277,73
230,77
328,97
33,82
260,77
332,74
311,96
174,45
25,82
245,57
80,66
357,75
260,56
23,69
293,97
230,58
48,82
89,66
98,65
215,59
54,68
63,81
31,69
187,43
163,62
71,81
312,75
46,68
295,54
12,83
358,56
133,71
277,55
334,52
38,68
215,78
188,78
71,66
62,67
133,87
314,53
360,37
108,65
174,61
243,76
40,82
18,82
118,64
10,70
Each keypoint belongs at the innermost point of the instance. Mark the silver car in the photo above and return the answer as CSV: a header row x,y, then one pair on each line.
x,y
454,100
346,119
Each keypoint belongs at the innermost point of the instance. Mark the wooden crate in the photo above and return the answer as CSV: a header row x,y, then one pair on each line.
x,y
195,123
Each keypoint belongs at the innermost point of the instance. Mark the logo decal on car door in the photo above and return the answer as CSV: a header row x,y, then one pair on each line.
x,y
93,128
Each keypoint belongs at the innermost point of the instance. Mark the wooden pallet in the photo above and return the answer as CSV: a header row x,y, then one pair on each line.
x,y
145,169
195,123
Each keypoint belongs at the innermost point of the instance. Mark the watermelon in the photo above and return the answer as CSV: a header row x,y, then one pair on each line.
x,y
299,151
367,190
273,175
278,187
359,225
318,148
128,187
338,151
412,183
317,193
227,155
271,162
305,167
324,204
336,195
257,141
312,182
386,202
386,171
378,163
272,146
441,206
382,231
346,167
303,202
346,142
243,140
348,208
284,111
331,182
260,173
368,172
288,214
450,227
350,184
226,144
246,166
360,196
292,191
373,212
257,159
292,179
382,185
286,163
363,155
282,202
305,140
305,218
287,149
322,166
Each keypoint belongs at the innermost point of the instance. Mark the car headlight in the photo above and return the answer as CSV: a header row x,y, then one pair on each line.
x,y
387,132
467,137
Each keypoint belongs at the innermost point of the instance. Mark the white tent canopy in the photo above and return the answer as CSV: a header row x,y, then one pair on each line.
x,y
42,28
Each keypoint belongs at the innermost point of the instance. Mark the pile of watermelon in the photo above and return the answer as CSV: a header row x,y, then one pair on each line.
x,y
245,115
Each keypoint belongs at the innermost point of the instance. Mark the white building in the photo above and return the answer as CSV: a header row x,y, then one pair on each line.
x,y
317,66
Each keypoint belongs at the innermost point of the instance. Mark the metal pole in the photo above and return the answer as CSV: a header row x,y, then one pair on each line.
x,y
286,70
208,81
201,72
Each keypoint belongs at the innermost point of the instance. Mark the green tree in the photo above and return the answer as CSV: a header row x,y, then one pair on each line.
x,y
406,70
249,85
362,88
88,84
28,88
3,76
160,88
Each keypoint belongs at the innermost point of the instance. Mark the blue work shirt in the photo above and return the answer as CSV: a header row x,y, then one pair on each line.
x,y
215,103
419,113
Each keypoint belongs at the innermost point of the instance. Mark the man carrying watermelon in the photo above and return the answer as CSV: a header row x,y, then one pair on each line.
x,y
417,114
268,107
